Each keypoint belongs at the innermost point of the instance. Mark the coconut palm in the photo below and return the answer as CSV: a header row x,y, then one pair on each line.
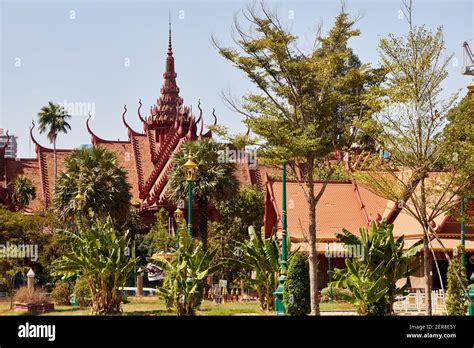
x,y
93,172
53,120
215,178
22,191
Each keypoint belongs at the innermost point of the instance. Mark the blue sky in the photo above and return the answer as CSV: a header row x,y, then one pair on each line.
x,y
111,53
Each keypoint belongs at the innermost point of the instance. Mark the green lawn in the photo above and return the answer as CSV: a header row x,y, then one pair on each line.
x,y
151,306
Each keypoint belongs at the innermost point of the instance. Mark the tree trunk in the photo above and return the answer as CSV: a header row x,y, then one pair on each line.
x,y
55,160
202,231
313,255
426,271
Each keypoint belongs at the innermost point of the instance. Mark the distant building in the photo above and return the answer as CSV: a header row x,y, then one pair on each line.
x,y
11,149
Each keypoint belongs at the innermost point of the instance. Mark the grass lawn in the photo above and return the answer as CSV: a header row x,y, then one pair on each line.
x,y
152,306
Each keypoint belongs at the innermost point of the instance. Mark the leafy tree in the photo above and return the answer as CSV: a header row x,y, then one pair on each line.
x,y
236,214
94,173
455,296
428,164
158,238
215,179
307,101
183,274
372,276
53,120
103,258
9,269
259,259
23,191
296,287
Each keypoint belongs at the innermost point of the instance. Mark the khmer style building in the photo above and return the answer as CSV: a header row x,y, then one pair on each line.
x,y
146,156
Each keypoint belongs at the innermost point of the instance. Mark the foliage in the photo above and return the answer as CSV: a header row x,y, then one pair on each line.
x,y
259,259
215,179
82,292
428,163
23,191
158,239
94,173
306,102
184,274
53,120
24,295
102,257
455,297
62,292
296,287
236,214
372,276
336,293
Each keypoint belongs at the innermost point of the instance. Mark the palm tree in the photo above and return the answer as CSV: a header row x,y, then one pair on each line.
x,y
53,119
215,179
93,172
23,191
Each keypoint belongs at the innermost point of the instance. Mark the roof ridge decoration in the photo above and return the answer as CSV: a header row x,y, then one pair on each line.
x,y
96,139
39,146
129,128
139,113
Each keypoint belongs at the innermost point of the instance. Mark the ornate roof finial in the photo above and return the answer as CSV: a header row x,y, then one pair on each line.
x,y
170,48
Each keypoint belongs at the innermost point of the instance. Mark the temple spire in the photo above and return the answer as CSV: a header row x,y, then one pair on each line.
x,y
169,99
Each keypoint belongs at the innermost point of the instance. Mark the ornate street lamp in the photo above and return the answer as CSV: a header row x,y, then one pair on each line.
x,y
190,169
279,305
79,202
178,217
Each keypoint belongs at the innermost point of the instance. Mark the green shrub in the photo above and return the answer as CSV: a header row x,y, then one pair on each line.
x,y
82,292
62,292
455,302
296,288
337,294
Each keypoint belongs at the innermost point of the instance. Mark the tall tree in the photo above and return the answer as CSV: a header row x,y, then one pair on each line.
x,y
23,191
93,172
53,120
305,101
215,178
429,165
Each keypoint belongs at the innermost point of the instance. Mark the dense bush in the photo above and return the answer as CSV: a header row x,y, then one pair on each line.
x,y
337,294
62,292
24,295
296,295
82,292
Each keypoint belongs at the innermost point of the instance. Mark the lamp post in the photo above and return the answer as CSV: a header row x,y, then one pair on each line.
x,y
190,169
470,89
279,305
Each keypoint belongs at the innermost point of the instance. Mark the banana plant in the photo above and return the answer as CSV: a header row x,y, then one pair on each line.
x,y
260,261
183,274
372,276
102,256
